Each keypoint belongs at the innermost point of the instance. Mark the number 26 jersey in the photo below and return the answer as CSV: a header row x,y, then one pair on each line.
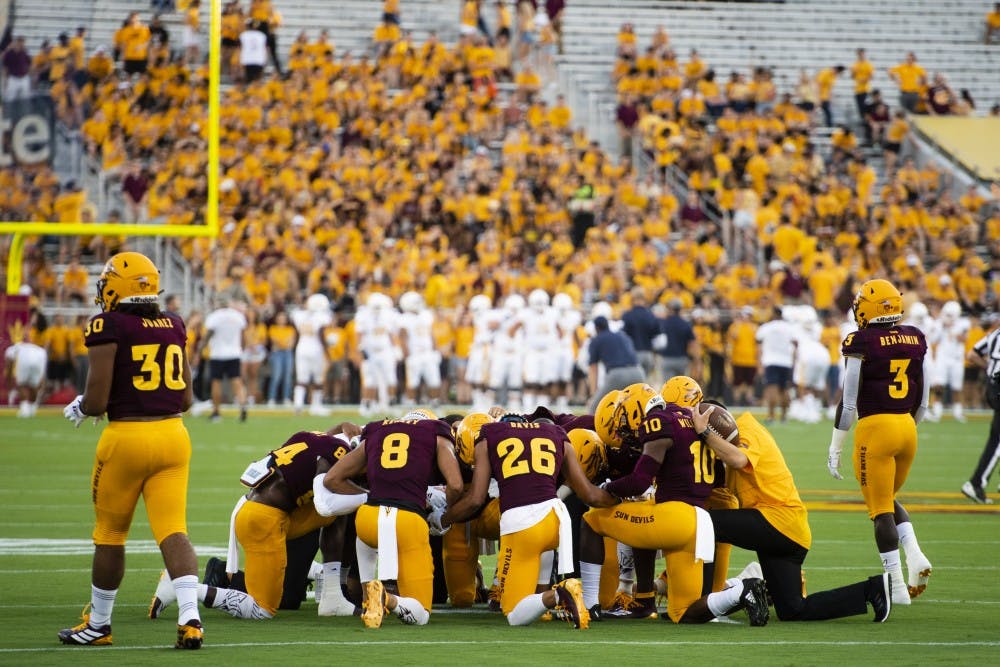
x,y
148,376
525,460
892,368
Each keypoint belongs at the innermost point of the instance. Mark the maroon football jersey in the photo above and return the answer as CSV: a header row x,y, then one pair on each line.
x,y
892,368
525,460
688,470
570,422
149,364
296,460
402,456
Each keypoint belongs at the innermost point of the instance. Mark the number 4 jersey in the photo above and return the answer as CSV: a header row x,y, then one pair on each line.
x,y
892,368
149,364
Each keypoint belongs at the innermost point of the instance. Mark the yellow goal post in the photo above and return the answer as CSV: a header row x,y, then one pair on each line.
x,y
20,230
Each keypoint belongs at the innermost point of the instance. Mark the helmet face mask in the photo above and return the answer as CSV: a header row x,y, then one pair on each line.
x,y
877,302
635,401
128,278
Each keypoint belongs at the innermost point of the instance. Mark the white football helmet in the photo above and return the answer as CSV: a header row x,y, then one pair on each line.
x,y
918,312
411,302
562,301
514,303
538,299
480,303
378,301
601,309
317,303
951,311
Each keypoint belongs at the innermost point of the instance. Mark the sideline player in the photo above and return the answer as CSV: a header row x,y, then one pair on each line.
x,y
773,522
139,375
527,460
885,385
310,355
25,370
400,458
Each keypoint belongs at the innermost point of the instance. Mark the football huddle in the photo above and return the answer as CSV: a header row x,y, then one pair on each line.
x,y
581,506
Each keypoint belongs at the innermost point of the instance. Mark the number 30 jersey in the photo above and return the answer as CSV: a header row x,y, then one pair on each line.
x,y
402,460
892,368
688,470
148,376
525,460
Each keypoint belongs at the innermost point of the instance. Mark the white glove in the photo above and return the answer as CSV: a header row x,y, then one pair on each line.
x,y
833,458
434,523
436,498
73,412
833,464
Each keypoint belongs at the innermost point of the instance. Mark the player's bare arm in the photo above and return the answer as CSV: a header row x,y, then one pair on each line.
x,y
475,495
448,466
732,455
576,479
99,378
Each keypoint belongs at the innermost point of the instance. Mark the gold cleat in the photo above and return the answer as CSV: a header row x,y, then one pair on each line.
x,y
374,604
569,594
190,635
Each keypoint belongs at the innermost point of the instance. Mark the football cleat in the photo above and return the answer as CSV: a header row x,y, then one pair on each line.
x,y
917,574
596,613
754,600
374,604
164,596
976,494
331,600
900,591
85,634
569,596
494,598
627,607
190,635
878,593
215,573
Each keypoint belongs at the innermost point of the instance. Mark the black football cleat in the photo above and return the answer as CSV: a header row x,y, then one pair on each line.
x,y
754,600
878,593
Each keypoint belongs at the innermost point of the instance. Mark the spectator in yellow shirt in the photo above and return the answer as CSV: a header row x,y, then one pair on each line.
x,y
862,72
911,78
132,41
741,349
825,79
992,24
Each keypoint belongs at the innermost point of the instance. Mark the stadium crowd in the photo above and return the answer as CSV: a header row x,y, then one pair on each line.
x,y
415,168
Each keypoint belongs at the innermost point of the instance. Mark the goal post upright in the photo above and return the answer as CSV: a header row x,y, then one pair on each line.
x,y
210,229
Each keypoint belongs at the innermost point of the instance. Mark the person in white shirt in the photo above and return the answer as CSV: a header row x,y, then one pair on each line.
x,y
776,346
484,323
25,372
507,355
540,327
377,326
568,320
253,51
421,357
225,328
949,359
310,355
812,362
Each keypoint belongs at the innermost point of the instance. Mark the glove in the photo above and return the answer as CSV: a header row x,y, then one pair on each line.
x,y
73,412
833,458
833,464
434,523
436,498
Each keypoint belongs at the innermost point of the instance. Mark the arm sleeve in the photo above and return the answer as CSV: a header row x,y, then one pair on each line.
x,y
637,481
335,504
925,395
849,404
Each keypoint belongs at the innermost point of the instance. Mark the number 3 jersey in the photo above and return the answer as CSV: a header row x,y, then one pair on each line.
x,y
892,368
525,460
402,460
148,378
688,470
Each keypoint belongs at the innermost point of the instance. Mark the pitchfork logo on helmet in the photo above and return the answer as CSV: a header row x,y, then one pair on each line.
x,y
128,277
636,400
681,390
877,302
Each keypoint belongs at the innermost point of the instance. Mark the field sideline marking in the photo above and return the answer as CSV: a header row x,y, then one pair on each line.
x,y
553,642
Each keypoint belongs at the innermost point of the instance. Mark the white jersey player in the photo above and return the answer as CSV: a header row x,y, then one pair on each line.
x,y
422,360
812,360
485,322
568,320
507,355
25,374
540,327
949,357
310,353
919,316
377,327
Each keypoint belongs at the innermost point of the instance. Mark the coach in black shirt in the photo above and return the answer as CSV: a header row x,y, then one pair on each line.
x,y
986,352
614,349
641,325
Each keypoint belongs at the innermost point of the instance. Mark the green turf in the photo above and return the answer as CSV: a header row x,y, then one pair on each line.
x,y
45,495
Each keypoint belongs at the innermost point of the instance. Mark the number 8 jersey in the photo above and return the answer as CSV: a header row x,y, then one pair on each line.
x,y
149,363
892,368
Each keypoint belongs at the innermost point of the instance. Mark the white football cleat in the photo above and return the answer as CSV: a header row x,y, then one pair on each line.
x,y
900,594
331,600
164,596
751,571
918,572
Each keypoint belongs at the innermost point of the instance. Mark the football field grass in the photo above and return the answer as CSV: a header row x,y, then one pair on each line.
x,y
45,554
